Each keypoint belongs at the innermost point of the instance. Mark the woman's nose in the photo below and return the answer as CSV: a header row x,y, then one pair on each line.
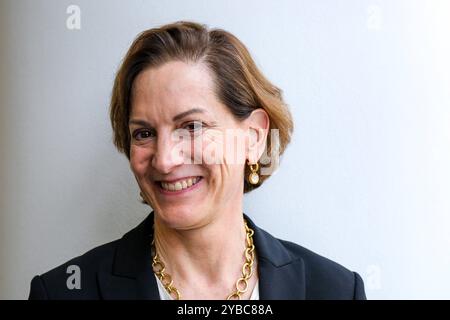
x,y
168,153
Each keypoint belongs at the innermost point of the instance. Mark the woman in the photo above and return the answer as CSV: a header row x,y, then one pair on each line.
x,y
182,98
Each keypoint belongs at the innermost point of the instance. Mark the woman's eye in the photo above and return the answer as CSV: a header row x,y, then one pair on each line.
x,y
194,125
143,134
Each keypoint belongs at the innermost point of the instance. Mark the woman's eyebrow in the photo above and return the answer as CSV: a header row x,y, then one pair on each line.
x,y
139,122
186,113
174,119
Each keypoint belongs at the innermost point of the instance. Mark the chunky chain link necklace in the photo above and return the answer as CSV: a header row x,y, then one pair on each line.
x,y
241,284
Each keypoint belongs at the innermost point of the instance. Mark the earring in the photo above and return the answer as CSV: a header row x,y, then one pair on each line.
x,y
253,177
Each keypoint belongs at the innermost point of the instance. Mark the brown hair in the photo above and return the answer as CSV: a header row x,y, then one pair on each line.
x,y
239,84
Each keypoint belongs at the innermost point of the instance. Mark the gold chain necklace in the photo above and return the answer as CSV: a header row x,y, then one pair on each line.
x,y
241,284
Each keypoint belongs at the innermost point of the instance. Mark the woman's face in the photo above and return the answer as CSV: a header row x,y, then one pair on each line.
x,y
179,130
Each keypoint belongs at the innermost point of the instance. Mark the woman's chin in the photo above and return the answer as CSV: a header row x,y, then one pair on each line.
x,y
182,218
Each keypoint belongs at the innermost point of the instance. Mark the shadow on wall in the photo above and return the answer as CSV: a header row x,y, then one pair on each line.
x,y
9,185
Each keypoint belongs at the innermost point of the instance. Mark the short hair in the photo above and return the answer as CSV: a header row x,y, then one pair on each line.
x,y
239,84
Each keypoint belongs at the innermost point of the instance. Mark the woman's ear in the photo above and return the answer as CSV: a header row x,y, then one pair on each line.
x,y
258,124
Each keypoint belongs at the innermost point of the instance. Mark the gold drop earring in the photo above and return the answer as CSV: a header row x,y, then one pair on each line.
x,y
253,177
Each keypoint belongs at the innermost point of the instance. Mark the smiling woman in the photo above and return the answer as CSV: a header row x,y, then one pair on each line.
x,y
192,113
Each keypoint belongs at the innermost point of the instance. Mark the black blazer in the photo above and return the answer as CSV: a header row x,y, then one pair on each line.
x,y
122,270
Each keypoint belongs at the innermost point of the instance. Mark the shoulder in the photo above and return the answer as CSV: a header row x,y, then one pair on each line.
x,y
315,263
84,273
56,283
303,272
324,278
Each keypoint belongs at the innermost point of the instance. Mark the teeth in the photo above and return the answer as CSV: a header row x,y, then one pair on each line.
x,y
179,185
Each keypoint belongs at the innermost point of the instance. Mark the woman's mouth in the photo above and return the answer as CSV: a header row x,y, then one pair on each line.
x,y
179,186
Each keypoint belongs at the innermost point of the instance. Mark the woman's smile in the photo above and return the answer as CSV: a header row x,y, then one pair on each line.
x,y
180,186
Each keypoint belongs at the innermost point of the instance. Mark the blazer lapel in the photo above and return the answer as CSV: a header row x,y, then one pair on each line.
x,y
132,276
113,287
280,276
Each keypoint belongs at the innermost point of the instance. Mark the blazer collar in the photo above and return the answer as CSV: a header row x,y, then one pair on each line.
x,y
280,275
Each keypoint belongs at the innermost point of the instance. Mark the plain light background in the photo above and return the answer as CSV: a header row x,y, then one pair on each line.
x,y
365,181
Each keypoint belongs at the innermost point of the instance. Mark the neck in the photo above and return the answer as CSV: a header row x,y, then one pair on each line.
x,y
210,254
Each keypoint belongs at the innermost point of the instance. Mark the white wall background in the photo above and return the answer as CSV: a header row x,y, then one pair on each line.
x,y
365,182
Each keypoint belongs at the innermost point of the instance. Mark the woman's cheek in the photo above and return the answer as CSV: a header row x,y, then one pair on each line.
x,y
139,159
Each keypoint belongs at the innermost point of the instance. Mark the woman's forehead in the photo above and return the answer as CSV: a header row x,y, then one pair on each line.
x,y
173,88
173,79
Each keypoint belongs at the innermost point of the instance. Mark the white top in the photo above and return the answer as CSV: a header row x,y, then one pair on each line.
x,y
164,295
